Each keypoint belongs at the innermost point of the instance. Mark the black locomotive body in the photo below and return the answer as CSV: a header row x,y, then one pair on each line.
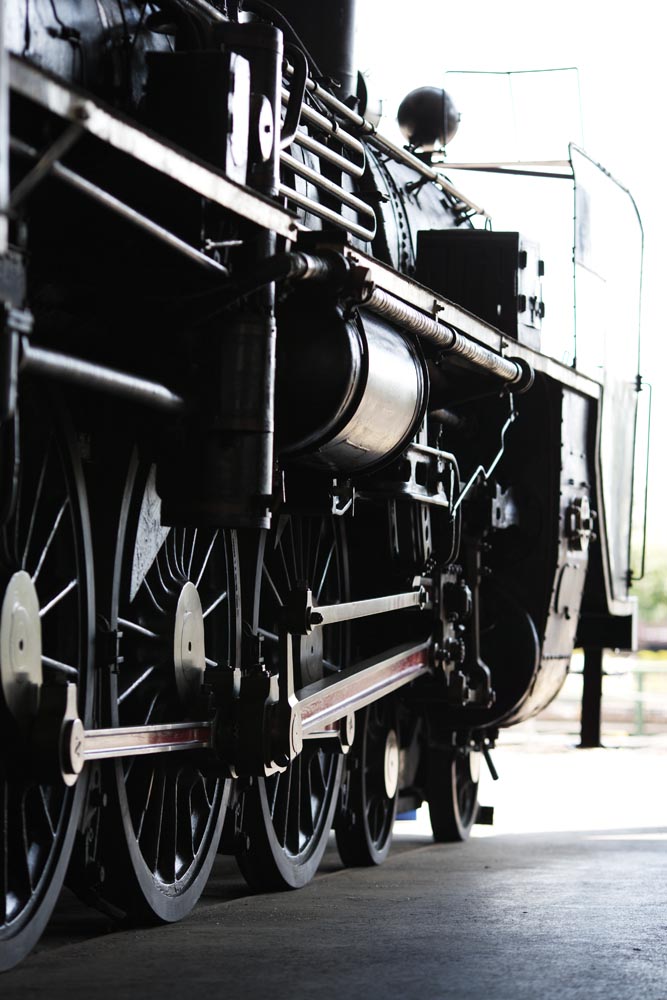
x,y
295,514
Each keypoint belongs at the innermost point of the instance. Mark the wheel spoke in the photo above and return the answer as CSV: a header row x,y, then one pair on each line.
x,y
293,840
60,668
151,708
269,580
35,505
320,537
135,684
182,554
192,554
158,607
307,803
318,591
288,578
281,807
136,627
215,603
168,833
58,598
178,566
19,886
171,567
200,804
151,821
24,847
165,589
318,777
138,783
272,785
295,551
207,557
47,812
49,540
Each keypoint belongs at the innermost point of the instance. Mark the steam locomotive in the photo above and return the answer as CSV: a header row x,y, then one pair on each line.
x,y
295,514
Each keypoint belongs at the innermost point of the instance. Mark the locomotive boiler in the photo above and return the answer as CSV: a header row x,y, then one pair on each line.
x,y
295,512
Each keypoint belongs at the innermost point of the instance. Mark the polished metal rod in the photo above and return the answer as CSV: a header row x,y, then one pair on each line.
x,y
101,744
336,696
335,190
319,149
93,376
327,615
322,212
114,204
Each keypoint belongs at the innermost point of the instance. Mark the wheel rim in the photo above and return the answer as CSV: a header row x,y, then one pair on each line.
x,y
289,815
380,771
466,784
45,540
368,804
453,783
171,808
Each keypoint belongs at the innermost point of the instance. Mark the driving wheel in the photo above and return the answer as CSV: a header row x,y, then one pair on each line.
x,y
453,783
288,816
45,644
175,601
369,793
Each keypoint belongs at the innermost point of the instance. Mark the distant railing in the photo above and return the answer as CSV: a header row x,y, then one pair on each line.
x,y
634,693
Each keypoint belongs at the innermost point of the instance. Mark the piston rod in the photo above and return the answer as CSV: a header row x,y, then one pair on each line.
x,y
327,615
93,376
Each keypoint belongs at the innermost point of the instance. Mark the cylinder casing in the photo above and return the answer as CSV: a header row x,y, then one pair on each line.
x,y
351,393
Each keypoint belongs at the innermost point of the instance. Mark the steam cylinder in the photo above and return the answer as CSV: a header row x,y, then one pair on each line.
x,y
350,393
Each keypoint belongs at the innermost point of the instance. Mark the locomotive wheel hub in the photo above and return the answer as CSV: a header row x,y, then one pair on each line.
x,y
475,760
310,657
21,647
391,761
189,652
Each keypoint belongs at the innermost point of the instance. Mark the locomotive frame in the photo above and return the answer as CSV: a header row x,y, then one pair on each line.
x,y
278,489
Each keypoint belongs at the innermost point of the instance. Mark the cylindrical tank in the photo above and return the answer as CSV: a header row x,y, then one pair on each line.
x,y
327,29
350,392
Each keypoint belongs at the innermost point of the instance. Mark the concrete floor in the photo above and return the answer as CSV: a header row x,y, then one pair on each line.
x,y
574,906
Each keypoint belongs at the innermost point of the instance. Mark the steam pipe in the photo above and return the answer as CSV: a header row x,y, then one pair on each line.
x,y
514,371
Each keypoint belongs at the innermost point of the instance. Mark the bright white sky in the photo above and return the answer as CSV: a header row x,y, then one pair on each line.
x,y
619,49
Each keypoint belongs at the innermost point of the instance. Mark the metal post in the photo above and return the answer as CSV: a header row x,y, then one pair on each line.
x,y
639,704
591,702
